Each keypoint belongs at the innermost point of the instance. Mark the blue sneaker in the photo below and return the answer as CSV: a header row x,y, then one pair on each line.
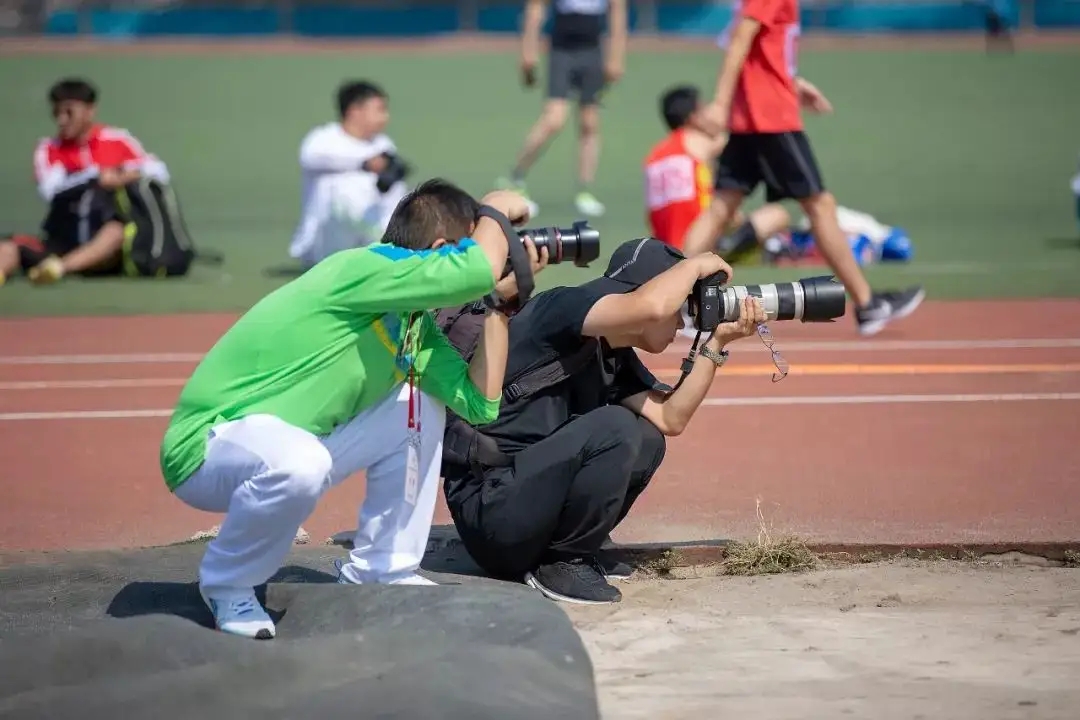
x,y
240,613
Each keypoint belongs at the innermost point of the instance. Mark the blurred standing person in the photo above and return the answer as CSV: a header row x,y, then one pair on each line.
x,y
577,64
757,102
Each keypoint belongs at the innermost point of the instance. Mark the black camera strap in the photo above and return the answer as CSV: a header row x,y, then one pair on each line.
x,y
519,256
688,361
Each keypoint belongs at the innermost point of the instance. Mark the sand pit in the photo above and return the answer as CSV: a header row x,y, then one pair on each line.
x,y
904,639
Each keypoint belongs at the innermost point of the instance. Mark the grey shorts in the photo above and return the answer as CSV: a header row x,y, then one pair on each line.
x,y
576,70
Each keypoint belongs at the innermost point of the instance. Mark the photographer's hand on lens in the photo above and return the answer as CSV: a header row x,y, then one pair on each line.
x,y
506,289
751,314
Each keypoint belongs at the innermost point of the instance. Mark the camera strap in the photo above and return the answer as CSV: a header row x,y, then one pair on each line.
x,y
688,361
519,256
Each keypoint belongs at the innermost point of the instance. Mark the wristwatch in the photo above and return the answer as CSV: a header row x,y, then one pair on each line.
x,y
719,358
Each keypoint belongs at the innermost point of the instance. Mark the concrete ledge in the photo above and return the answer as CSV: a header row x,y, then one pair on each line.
x,y
445,551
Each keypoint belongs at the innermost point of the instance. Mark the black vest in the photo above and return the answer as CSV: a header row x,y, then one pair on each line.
x,y
578,24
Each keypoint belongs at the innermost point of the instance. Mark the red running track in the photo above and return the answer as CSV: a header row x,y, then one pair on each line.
x,y
950,427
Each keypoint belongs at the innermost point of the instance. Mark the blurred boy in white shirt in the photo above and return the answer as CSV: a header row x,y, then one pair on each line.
x,y
352,178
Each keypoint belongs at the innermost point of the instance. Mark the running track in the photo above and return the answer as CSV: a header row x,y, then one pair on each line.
x,y
949,428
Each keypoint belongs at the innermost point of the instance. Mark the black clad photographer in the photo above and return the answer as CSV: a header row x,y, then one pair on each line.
x,y
581,451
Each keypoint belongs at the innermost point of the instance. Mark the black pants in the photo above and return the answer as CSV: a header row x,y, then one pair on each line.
x,y
561,497
75,216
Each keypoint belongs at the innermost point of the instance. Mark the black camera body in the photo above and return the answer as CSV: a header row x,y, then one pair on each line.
x,y
396,169
706,301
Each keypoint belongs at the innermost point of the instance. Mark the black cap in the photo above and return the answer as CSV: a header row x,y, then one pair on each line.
x,y
635,263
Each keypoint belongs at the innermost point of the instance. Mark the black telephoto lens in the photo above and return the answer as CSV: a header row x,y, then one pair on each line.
x,y
579,243
587,242
824,299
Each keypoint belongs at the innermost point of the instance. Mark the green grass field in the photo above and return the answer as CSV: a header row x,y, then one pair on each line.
x,y
971,154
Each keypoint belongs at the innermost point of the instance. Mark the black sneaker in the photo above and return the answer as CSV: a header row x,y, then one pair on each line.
x,y
575,581
609,565
612,568
885,307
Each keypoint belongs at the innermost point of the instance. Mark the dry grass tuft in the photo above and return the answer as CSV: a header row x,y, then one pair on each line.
x,y
768,556
661,566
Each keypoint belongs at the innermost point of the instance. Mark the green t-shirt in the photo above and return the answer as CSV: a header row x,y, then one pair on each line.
x,y
328,345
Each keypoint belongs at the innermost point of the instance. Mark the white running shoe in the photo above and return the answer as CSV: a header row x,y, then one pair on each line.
x,y
587,204
410,579
240,614
505,183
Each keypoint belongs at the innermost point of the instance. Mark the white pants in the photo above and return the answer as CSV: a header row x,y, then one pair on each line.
x,y
267,476
344,211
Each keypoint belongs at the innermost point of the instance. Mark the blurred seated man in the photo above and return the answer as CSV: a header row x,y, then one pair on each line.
x,y
352,177
79,172
678,181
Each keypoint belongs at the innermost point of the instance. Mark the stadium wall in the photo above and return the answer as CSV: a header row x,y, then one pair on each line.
x,y
399,18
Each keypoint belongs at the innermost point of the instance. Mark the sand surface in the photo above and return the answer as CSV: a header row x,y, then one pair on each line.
x,y
904,639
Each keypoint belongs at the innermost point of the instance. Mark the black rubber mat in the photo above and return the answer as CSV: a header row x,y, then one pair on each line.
x,y
125,634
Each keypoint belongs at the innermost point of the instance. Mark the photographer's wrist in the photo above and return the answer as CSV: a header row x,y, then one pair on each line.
x,y
714,352
717,342
507,307
498,312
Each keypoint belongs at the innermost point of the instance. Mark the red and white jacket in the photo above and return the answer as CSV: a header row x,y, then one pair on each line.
x,y
63,164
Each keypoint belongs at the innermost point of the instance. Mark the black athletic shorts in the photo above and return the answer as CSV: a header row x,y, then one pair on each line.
x,y
74,217
783,161
579,70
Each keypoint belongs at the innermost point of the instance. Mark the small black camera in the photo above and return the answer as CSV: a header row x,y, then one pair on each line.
x,y
396,169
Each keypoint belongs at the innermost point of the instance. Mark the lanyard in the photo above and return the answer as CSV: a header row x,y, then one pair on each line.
x,y
414,397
